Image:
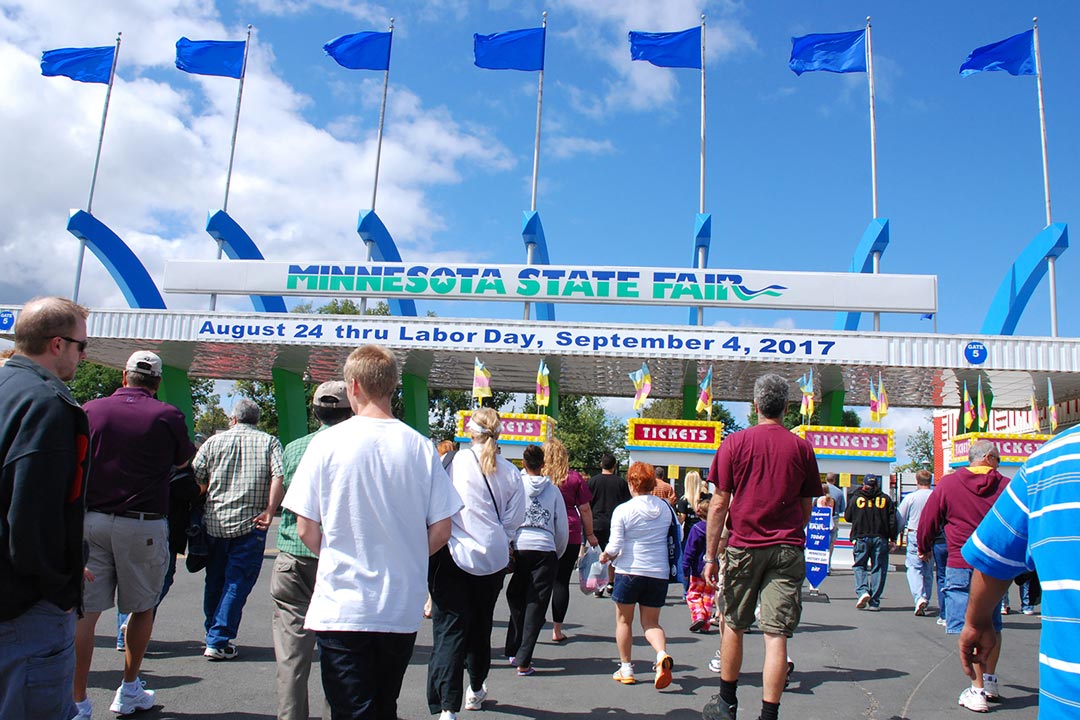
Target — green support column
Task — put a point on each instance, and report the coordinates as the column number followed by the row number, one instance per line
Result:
column 290, row 397
column 175, row 389
column 831, row 410
column 552, row 409
column 689, row 401
column 414, row 392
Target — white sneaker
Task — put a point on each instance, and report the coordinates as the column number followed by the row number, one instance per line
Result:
column 475, row 699
column 82, row 714
column 226, row 653
column 626, row 678
column 920, row 607
column 990, row 688
column 863, row 600
column 941, row 621
column 714, row 664
column 125, row 704
column 974, row 700
column 447, row 715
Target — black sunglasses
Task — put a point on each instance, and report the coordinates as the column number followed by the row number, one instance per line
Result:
column 81, row 344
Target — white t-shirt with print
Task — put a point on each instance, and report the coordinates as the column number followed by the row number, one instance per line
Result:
column 375, row 486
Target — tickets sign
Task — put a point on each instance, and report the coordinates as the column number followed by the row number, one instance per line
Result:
column 1012, row 449
column 686, row 435
column 517, row 428
column 849, row 442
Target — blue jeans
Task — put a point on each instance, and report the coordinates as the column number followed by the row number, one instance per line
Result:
column 875, row 551
column 957, row 589
column 941, row 559
column 232, row 567
column 37, row 664
column 920, row 573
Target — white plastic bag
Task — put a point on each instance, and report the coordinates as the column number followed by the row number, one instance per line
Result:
column 592, row 574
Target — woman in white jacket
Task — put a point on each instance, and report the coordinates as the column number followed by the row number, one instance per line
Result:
column 638, row 547
column 539, row 542
column 466, row 577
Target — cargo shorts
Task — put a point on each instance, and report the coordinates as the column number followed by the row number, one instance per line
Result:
column 772, row 576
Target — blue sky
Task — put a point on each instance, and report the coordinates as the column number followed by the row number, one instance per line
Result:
column 788, row 162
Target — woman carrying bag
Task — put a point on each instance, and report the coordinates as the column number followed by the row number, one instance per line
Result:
column 466, row 577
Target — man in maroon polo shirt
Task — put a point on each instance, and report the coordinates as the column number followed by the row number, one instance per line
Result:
column 135, row 440
column 766, row 480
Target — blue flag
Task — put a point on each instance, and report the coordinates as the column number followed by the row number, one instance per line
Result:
column 224, row 58
column 510, row 50
column 1014, row 55
column 361, row 51
column 92, row 65
column 831, row 52
column 668, row 49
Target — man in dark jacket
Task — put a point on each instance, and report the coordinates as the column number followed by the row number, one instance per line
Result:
column 43, row 452
column 958, row 504
column 872, row 515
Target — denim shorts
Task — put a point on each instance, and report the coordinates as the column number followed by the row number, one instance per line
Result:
column 639, row 590
column 957, row 588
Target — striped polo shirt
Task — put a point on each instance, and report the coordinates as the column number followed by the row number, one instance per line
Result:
column 1035, row 524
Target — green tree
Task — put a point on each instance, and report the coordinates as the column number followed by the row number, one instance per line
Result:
column 668, row 408
column 587, row 430
column 920, row 451
column 93, row 381
column 211, row 420
column 443, row 407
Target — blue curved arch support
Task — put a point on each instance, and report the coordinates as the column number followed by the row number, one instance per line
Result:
column 702, row 239
column 126, row 269
column 371, row 229
column 1023, row 277
column 874, row 240
column 532, row 233
column 239, row 246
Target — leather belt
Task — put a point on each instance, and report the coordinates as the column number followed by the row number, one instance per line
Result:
column 139, row 515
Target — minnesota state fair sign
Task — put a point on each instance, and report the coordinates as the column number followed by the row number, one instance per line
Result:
column 685, row 435
column 517, row 428
column 1012, row 449
column 828, row 440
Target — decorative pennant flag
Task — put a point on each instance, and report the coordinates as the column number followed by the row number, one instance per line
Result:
column 481, row 381
column 642, row 385
column 875, row 412
column 984, row 416
column 831, row 52
column 543, row 386
column 89, row 65
column 883, row 398
column 361, row 51
column 510, row 50
column 968, row 412
column 1050, row 406
column 806, row 385
column 1015, row 55
column 668, row 49
column 223, row 58
column 1034, row 411
column 704, row 398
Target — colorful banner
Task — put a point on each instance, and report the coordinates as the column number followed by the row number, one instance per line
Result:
column 818, row 535
column 849, row 441
column 1014, row 449
column 517, row 428
column 692, row 435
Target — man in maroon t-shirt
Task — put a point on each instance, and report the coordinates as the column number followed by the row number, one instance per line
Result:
column 766, row 480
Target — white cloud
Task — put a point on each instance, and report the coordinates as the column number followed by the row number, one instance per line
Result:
column 568, row 147
column 296, row 186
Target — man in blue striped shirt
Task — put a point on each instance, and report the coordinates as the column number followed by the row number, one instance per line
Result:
column 1033, row 525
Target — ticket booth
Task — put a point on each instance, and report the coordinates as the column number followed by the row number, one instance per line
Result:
column 519, row 430
column 686, row 443
column 1013, row 449
column 852, row 453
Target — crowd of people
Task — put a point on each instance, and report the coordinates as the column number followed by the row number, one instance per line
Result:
column 97, row 502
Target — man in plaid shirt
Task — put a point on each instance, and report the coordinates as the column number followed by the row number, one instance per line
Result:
column 241, row 470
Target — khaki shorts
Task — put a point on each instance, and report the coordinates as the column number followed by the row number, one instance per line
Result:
column 128, row 558
column 772, row 575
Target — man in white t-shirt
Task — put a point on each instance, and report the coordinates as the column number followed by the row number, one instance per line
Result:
column 373, row 502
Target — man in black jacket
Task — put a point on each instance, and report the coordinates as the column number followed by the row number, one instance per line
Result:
column 872, row 515
column 43, row 452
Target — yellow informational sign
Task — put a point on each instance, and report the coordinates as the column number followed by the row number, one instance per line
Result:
column 845, row 480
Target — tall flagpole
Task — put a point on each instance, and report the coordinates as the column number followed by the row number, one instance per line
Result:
column 701, row 190
column 536, row 151
column 232, row 149
column 1050, row 262
column 97, row 162
column 873, row 150
column 378, row 154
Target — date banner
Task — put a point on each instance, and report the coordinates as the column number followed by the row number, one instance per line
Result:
column 777, row 290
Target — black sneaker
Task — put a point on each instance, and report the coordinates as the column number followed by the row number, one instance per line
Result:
column 717, row 709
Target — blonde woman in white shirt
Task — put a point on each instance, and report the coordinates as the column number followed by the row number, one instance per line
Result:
column 466, row 577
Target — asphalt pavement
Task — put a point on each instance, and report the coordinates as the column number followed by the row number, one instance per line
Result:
column 889, row 665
